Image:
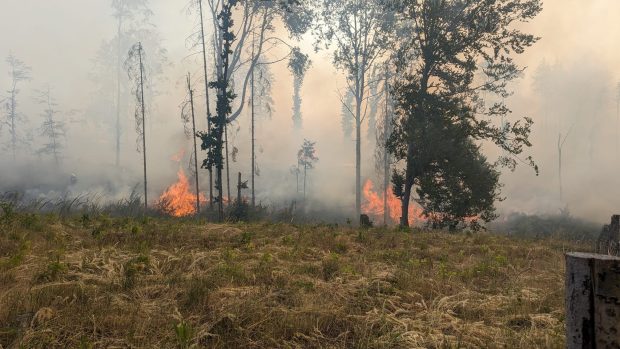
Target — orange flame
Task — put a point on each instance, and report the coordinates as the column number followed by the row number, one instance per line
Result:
column 178, row 200
column 373, row 205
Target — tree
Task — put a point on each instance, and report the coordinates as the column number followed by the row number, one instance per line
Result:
column 360, row 32
column 188, row 115
column 298, row 65
column 440, row 114
column 383, row 158
column 18, row 72
column 255, row 21
column 212, row 140
column 136, row 72
column 306, row 158
column 132, row 24
column 52, row 129
column 199, row 41
column 124, row 11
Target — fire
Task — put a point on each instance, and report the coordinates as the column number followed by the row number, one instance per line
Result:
column 373, row 205
column 178, row 200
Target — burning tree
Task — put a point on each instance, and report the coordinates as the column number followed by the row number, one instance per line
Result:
column 52, row 129
column 136, row 72
column 306, row 158
column 19, row 72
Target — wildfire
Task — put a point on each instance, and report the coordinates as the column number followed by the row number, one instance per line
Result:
column 373, row 205
column 178, row 200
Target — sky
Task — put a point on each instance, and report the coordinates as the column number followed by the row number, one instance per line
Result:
column 568, row 88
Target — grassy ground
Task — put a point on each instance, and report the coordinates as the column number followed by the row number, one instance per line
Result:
column 98, row 282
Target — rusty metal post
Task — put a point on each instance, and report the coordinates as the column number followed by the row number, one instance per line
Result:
column 592, row 301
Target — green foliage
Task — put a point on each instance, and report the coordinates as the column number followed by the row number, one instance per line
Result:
column 184, row 334
column 441, row 111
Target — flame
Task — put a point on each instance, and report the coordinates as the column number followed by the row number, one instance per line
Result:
column 373, row 205
column 178, row 200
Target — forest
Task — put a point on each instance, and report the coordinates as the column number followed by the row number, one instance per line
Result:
column 223, row 169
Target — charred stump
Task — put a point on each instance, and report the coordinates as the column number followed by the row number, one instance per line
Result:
column 609, row 240
column 592, row 301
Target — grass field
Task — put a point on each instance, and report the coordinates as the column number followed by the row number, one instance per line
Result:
column 100, row 282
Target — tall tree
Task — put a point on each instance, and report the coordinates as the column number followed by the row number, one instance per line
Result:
column 383, row 158
column 440, row 116
column 14, row 119
column 253, row 26
column 52, row 129
column 199, row 42
column 306, row 158
column 359, row 31
column 189, row 122
column 298, row 65
column 125, row 13
column 136, row 72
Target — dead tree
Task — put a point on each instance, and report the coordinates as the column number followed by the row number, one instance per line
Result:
column 561, row 142
column 52, row 129
column 187, row 114
column 135, row 69
column 19, row 72
column 125, row 11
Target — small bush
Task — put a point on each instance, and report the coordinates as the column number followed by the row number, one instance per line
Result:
column 330, row 266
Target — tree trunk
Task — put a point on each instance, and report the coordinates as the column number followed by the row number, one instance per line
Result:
column 253, row 133
column 227, row 163
column 13, row 117
column 386, row 154
column 409, row 180
column 191, row 101
column 305, row 173
column 143, row 127
column 204, row 65
column 358, row 158
column 118, row 90
column 239, row 190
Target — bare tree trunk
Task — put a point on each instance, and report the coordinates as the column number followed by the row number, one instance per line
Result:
column 118, row 90
column 358, row 159
column 560, row 165
column 191, row 101
column 305, row 173
column 253, row 135
column 239, row 189
column 386, row 155
column 204, row 64
column 409, row 180
column 227, row 162
column 13, row 117
column 143, row 126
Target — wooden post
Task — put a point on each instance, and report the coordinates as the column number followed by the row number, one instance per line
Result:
column 239, row 187
column 592, row 301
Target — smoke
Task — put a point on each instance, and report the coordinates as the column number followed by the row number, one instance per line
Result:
column 569, row 82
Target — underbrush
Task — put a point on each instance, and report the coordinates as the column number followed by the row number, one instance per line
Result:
column 96, row 281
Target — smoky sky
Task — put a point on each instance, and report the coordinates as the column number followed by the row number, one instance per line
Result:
column 568, row 88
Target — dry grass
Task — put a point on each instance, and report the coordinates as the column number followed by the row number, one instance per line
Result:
column 159, row 283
